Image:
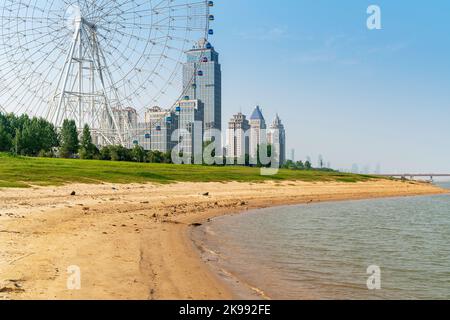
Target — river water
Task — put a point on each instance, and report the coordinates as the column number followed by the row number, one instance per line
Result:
column 323, row 251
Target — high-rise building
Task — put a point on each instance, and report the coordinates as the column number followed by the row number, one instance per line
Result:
column 258, row 134
column 160, row 124
column 237, row 137
column 189, row 119
column 276, row 137
column 202, row 80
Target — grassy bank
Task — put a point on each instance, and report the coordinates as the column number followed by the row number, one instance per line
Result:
column 24, row 172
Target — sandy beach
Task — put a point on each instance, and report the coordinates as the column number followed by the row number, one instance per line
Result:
column 133, row 241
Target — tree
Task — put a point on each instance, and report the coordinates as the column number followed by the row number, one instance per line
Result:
column 154, row 156
column 308, row 165
column 119, row 153
column 34, row 137
column 6, row 140
column 299, row 165
column 167, row 157
column 17, row 141
column 105, row 153
column 138, row 154
column 69, row 139
column 87, row 149
column 289, row 165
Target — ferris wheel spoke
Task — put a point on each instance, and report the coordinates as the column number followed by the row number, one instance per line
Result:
column 129, row 53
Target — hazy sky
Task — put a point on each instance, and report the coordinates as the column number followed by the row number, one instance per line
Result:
column 343, row 91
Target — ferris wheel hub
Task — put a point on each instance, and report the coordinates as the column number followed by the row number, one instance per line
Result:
column 75, row 19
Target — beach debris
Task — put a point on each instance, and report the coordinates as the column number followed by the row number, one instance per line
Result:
column 170, row 221
column 73, row 193
column 8, row 231
column 11, row 286
column 242, row 203
column 205, row 194
column 196, row 224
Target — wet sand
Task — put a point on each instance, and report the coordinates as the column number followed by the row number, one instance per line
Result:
column 134, row 241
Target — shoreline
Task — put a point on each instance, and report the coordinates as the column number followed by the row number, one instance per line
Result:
column 240, row 289
column 135, row 241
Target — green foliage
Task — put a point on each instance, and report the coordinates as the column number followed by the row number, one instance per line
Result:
column 299, row 165
column 308, row 165
column 88, row 150
column 138, row 154
column 155, row 157
column 25, row 136
column 5, row 138
column 159, row 157
column 120, row 153
column 69, row 139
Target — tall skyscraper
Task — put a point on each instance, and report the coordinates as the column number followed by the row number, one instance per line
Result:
column 237, row 137
column 202, row 80
column 276, row 136
column 258, row 134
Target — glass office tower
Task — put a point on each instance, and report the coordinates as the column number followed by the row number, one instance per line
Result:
column 202, row 80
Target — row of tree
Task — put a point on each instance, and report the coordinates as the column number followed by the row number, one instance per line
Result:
column 28, row 136
column 298, row 165
column 37, row 137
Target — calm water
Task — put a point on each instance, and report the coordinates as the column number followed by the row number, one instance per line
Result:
column 322, row 251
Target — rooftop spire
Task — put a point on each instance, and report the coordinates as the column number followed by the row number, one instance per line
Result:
column 257, row 114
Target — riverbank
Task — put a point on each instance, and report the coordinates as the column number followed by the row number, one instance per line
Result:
column 133, row 241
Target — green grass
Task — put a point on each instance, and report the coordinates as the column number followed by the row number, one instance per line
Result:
column 23, row 172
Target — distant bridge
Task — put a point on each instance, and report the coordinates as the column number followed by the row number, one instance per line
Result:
column 412, row 176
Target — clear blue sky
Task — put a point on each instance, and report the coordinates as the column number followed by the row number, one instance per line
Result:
column 350, row 94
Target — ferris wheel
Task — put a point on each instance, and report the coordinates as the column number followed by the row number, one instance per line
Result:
column 89, row 60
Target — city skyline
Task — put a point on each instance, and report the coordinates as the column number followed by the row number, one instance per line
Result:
column 352, row 94
column 246, row 135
